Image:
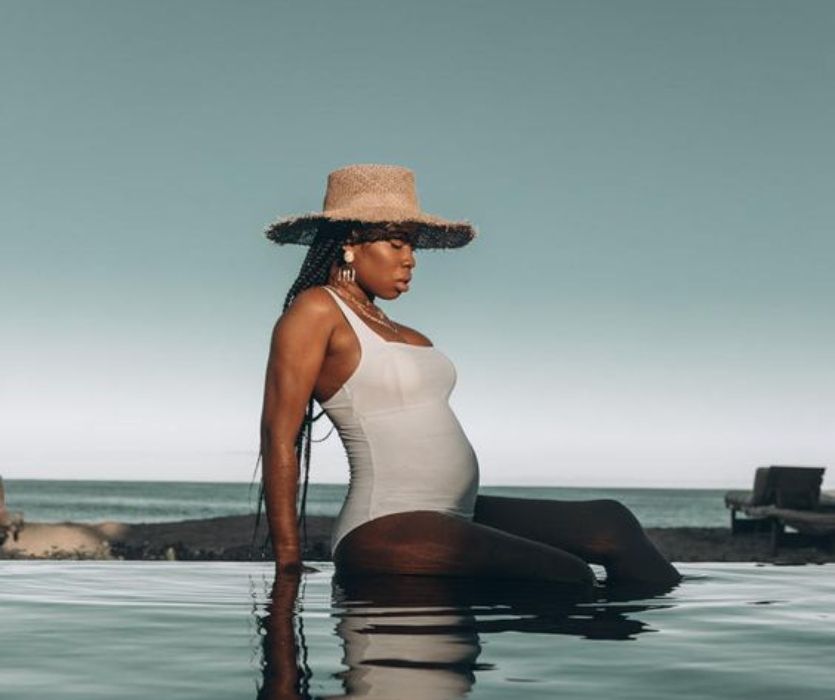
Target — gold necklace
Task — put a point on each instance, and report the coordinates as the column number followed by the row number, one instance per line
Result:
column 364, row 306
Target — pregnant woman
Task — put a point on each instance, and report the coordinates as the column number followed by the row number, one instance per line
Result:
column 413, row 505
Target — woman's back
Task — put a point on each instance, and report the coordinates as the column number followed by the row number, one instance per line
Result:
column 406, row 449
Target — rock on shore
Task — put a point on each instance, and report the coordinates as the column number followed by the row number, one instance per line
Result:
column 230, row 539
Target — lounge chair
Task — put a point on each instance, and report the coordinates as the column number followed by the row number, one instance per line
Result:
column 785, row 496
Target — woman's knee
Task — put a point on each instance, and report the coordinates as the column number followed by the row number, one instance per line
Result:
column 615, row 513
column 615, row 531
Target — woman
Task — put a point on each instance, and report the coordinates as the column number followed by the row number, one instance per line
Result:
column 412, row 505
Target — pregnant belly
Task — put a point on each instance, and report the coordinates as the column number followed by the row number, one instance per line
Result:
column 422, row 456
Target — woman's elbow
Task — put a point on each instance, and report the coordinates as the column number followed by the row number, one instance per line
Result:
column 270, row 441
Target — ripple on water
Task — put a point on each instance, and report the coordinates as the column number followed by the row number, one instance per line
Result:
column 207, row 629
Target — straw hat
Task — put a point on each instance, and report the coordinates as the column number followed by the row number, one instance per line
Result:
column 363, row 194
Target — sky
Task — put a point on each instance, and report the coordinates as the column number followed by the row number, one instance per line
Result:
column 648, row 301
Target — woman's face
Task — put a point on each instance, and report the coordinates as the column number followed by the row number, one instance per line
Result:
column 384, row 267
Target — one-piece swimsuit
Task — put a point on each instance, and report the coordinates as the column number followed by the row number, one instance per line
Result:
column 405, row 447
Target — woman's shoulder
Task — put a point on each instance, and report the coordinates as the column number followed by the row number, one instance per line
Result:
column 315, row 300
column 316, row 297
column 313, row 304
column 311, row 313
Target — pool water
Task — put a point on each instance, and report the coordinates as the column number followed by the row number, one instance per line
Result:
column 211, row 630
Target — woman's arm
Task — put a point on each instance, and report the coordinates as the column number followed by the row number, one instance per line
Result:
column 297, row 351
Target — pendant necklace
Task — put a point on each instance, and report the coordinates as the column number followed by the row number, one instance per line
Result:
column 377, row 315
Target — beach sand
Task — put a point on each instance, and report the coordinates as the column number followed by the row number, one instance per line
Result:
column 229, row 539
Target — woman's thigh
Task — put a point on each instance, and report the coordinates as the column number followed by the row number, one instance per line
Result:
column 594, row 530
column 436, row 544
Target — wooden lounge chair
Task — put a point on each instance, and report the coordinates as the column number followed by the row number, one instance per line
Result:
column 785, row 496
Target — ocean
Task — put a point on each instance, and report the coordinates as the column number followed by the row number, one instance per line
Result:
column 158, row 501
column 186, row 630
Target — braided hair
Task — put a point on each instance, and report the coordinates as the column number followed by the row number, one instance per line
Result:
column 315, row 271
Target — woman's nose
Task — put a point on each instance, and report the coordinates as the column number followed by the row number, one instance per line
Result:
column 410, row 258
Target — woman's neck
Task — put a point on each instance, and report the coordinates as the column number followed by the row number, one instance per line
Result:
column 354, row 290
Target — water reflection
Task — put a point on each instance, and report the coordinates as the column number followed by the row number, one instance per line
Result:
column 418, row 637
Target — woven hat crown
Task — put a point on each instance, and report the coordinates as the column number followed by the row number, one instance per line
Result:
column 370, row 193
column 371, row 187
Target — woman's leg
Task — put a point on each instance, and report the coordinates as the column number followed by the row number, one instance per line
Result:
column 436, row 544
column 601, row 531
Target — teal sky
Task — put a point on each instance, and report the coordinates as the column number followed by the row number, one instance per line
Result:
column 649, row 300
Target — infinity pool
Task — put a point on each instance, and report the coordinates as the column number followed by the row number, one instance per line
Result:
column 208, row 630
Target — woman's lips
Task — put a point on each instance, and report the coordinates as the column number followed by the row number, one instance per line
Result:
column 403, row 285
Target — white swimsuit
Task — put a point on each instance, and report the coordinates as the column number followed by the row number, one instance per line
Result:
column 405, row 447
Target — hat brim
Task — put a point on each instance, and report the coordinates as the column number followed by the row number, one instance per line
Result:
column 431, row 231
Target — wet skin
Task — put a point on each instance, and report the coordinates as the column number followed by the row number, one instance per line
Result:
column 314, row 351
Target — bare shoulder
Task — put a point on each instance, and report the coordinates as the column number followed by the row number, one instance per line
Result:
column 310, row 308
column 313, row 300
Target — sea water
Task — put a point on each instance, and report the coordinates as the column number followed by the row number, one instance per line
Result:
column 206, row 630
column 157, row 501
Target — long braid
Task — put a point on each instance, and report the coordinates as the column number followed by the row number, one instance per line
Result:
column 314, row 271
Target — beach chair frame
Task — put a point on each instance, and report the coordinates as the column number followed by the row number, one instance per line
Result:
column 785, row 496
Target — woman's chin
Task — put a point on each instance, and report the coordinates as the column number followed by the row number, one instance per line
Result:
column 394, row 291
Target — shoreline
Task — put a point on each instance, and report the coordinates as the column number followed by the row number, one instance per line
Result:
column 228, row 538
